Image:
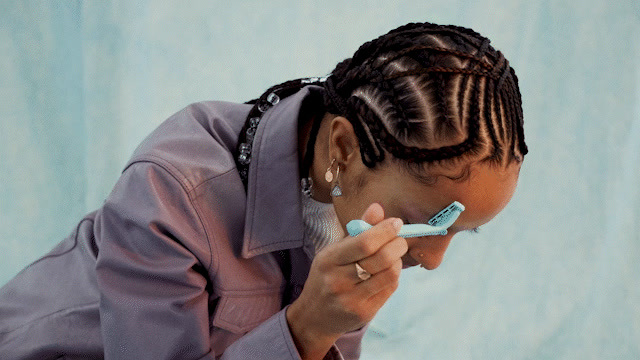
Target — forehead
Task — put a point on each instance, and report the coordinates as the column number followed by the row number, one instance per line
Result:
column 484, row 194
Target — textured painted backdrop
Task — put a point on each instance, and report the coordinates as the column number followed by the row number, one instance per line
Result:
column 555, row 276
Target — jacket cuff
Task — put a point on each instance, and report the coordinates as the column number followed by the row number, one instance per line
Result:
column 271, row 340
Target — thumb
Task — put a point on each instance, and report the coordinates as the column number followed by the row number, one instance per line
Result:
column 374, row 214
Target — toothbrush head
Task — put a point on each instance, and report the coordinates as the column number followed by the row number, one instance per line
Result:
column 448, row 216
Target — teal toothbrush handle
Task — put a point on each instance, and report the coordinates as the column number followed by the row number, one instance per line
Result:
column 438, row 225
column 355, row 227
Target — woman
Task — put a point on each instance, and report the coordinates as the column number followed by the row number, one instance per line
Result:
column 224, row 236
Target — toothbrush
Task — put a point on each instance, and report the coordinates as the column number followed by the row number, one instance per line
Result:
column 438, row 224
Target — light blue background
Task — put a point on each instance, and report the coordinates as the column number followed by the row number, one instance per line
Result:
column 555, row 276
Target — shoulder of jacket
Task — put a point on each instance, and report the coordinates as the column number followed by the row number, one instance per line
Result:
column 195, row 144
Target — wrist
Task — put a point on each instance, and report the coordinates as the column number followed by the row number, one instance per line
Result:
column 310, row 343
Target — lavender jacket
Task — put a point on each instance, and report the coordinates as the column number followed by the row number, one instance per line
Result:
column 180, row 262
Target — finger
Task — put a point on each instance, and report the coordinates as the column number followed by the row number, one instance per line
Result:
column 384, row 282
column 374, row 214
column 352, row 249
column 386, row 256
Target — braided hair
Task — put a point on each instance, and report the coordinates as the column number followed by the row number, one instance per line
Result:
column 428, row 94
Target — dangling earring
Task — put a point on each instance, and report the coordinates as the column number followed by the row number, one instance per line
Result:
column 336, row 190
column 329, row 175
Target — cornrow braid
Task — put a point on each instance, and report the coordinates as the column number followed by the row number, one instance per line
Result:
column 423, row 93
column 460, row 54
column 428, row 93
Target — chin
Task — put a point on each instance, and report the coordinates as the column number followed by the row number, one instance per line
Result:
column 429, row 266
column 429, row 261
column 408, row 261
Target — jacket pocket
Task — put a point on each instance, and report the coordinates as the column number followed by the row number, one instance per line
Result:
column 239, row 314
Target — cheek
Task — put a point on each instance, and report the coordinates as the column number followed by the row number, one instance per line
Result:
column 359, row 193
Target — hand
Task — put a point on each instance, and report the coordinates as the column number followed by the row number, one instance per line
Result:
column 334, row 299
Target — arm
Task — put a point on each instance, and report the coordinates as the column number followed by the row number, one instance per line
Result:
column 151, row 270
column 334, row 300
column 273, row 340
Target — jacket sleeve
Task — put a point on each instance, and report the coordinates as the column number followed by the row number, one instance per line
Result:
column 272, row 340
column 152, row 269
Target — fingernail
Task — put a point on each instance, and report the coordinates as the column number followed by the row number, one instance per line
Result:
column 397, row 224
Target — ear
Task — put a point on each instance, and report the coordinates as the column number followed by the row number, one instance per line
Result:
column 343, row 142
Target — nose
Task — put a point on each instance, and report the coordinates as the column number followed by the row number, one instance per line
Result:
column 429, row 251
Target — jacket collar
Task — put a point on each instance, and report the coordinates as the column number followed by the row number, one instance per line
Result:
column 273, row 218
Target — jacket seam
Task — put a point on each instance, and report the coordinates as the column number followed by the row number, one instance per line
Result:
column 283, row 323
column 259, row 248
column 197, row 209
column 168, row 167
column 75, row 243
column 249, row 292
column 214, row 177
column 188, row 187
column 69, row 309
